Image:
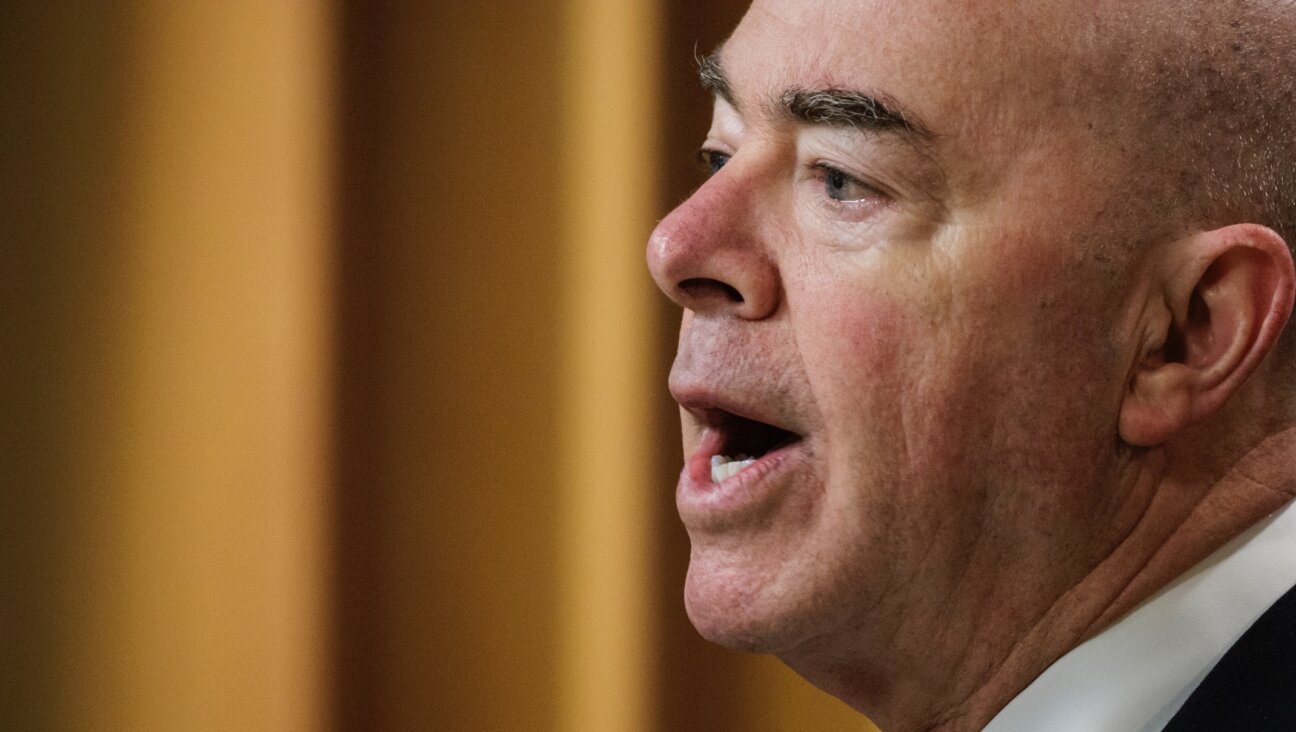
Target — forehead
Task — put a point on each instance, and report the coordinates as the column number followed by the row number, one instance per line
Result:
column 1009, row 88
column 952, row 63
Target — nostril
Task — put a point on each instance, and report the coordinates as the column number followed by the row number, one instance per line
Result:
column 701, row 288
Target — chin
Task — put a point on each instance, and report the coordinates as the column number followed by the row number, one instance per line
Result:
column 739, row 611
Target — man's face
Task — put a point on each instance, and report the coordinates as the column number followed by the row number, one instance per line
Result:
column 919, row 331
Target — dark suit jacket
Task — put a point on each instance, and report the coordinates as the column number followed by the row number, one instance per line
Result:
column 1253, row 687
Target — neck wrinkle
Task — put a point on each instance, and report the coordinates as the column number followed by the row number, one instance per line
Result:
column 1258, row 484
column 1092, row 602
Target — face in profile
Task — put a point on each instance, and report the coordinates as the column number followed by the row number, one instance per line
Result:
column 905, row 301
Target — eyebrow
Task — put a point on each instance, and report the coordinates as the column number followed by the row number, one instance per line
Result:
column 831, row 106
column 848, row 108
column 713, row 78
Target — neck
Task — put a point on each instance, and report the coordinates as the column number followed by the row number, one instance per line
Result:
column 1192, row 515
column 1258, row 484
column 1194, row 510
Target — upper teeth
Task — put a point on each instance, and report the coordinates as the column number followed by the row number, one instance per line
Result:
column 722, row 466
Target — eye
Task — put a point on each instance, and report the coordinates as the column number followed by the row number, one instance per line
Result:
column 712, row 160
column 841, row 186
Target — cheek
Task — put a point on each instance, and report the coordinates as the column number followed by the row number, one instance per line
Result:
column 855, row 336
column 873, row 359
column 915, row 394
column 875, row 372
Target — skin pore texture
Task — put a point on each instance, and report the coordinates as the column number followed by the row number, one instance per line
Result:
column 1009, row 279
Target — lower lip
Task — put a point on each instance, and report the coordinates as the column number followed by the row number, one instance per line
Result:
column 703, row 503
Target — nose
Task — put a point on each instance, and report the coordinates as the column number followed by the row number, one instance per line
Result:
column 711, row 255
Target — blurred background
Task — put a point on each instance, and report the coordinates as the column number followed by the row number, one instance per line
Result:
column 332, row 382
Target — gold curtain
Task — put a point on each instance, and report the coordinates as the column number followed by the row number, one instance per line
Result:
column 334, row 386
column 165, row 226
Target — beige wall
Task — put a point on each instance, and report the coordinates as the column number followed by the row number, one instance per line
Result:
column 335, row 389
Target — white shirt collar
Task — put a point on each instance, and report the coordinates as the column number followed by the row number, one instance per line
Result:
column 1137, row 673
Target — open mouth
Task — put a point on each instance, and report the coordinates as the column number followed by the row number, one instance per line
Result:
column 741, row 442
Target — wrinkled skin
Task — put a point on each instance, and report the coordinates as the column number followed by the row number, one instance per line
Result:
column 950, row 330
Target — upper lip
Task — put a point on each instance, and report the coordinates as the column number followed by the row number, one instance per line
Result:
column 712, row 406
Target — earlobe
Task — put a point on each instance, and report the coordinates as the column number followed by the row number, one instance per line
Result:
column 1225, row 296
column 1157, row 405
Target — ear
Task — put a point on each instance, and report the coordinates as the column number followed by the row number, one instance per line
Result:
column 1222, row 300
